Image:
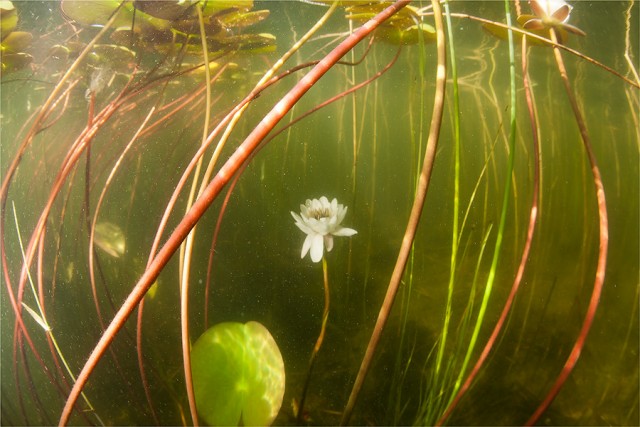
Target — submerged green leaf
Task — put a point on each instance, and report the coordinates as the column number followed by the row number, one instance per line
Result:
column 110, row 238
column 43, row 324
column 238, row 375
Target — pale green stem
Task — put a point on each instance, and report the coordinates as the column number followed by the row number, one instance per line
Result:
column 316, row 348
column 456, row 193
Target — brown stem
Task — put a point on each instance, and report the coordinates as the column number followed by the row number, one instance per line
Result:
column 316, row 347
column 603, row 224
column 414, row 218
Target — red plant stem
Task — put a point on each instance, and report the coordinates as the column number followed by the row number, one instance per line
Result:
column 212, row 191
column 525, row 252
column 603, row 224
column 214, row 240
column 52, row 349
column 414, row 218
column 40, row 229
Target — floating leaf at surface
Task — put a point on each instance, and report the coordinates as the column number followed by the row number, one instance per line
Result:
column 238, row 375
column 407, row 36
column 244, row 19
column 503, row 33
column 8, row 17
column 95, row 12
column 16, row 42
column 405, row 17
column 168, row 9
column 98, row 12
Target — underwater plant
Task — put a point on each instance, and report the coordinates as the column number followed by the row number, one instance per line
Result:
column 238, row 375
column 488, row 152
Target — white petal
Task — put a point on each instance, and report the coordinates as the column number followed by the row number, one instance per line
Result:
column 328, row 242
column 334, row 205
column 312, row 223
column 306, row 245
column 342, row 211
column 330, row 225
column 343, row 231
column 317, row 247
column 305, row 228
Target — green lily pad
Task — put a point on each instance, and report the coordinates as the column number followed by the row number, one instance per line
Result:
column 241, row 19
column 98, row 12
column 8, row 17
column 16, row 42
column 407, row 36
column 238, row 375
column 503, row 33
column 406, row 17
column 15, row 61
column 168, row 9
column 95, row 12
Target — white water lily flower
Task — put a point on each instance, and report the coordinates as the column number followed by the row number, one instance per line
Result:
column 550, row 14
column 558, row 10
column 320, row 220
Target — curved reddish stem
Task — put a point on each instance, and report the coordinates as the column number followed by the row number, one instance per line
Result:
column 603, row 225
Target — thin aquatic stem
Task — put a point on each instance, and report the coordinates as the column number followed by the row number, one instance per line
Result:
column 186, row 249
column 533, row 214
column 40, row 316
column 414, row 218
column 505, row 203
column 456, row 197
column 627, row 43
column 316, row 348
column 603, row 226
column 94, row 221
column 39, row 233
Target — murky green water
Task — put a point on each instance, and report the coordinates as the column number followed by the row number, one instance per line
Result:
column 366, row 149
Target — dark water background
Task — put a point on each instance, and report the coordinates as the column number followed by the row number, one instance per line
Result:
column 369, row 159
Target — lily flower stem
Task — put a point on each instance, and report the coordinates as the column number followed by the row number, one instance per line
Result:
column 316, row 348
column 603, row 226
